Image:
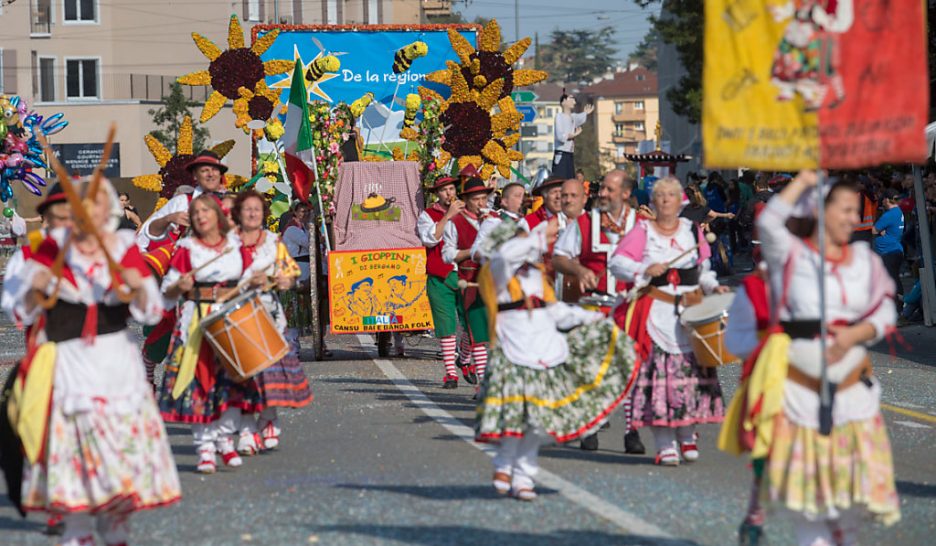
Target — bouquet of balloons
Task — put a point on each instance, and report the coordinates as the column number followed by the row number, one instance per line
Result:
column 20, row 150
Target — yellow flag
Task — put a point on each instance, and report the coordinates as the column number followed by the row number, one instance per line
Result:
column 189, row 358
column 31, row 401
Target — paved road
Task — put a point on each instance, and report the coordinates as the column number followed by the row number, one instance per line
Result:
column 381, row 457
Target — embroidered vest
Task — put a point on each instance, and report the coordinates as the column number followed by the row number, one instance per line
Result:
column 534, row 218
column 597, row 262
column 434, row 264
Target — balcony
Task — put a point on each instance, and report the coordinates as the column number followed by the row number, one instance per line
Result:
column 629, row 115
column 629, row 135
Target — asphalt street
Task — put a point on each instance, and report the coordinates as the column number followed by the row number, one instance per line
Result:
column 383, row 456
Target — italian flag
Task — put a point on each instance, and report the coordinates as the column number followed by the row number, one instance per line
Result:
column 297, row 138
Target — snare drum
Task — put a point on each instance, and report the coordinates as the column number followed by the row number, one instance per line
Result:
column 244, row 336
column 705, row 324
column 598, row 302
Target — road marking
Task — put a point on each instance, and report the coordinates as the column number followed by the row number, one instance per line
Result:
column 909, row 413
column 627, row 521
column 911, row 424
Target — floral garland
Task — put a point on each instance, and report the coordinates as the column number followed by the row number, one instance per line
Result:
column 429, row 137
column 330, row 129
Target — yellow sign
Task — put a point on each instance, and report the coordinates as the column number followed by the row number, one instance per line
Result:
column 378, row 291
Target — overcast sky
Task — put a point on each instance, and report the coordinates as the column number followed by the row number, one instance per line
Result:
column 544, row 16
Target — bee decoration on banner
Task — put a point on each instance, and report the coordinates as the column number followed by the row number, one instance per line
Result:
column 361, row 104
column 405, row 56
column 411, row 108
column 326, row 63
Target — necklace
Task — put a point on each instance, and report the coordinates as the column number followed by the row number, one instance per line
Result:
column 212, row 246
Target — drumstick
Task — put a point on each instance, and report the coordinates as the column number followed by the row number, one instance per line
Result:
column 202, row 266
column 463, row 284
column 632, row 293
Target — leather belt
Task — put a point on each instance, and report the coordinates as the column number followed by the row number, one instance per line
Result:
column 535, row 303
column 688, row 299
column 208, row 292
column 861, row 373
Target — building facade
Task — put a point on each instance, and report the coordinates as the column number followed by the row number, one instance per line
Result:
column 627, row 107
column 99, row 62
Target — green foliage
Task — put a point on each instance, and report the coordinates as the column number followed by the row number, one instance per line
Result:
column 645, row 54
column 168, row 119
column 577, row 55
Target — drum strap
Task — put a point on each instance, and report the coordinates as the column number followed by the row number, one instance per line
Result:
column 688, row 299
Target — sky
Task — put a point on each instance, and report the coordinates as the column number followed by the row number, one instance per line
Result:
column 544, row 16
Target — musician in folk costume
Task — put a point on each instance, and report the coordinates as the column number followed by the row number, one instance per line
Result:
column 97, row 447
column 511, row 202
column 551, row 192
column 284, row 384
column 542, row 385
column 583, row 251
column 827, row 483
column 669, row 257
column 157, row 237
column 207, row 264
column 442, row 280
column 459, row 236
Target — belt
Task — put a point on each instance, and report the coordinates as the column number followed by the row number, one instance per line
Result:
column 535, row 303
column 687, row 299
column 304, row 259
column 861, row 373
column 208, row 292
column 688, row 276
column 66, row 320
column 801, row 329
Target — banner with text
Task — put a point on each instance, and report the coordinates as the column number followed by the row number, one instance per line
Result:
column 793, row 84
column 378, row 291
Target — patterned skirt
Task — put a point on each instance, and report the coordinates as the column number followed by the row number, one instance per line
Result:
column 282, row 385
column 102, row 461
column 819, row 476
column 566, row 401
column 674, row 391
column 195, row 404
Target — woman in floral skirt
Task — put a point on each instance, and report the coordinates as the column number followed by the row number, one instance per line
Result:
column 673, row 393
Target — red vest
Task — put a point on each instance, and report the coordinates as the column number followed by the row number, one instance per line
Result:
column 434, row 264
column 534, row 218
column 597, row 262
column 467, row 233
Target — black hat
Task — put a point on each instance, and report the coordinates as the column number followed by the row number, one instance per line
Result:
column 474, row 185
column 206, row 157
column 547, row 184
column 55, row 195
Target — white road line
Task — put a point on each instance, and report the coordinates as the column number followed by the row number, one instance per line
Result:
column 627, row 521
column 911, row 424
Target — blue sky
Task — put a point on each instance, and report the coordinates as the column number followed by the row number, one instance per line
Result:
column 544, row 16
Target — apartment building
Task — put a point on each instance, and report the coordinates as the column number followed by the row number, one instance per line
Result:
column 101, row 61
column 627, row 107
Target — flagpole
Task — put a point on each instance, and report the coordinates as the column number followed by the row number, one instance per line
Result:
column 825, row 387
column 318, row 194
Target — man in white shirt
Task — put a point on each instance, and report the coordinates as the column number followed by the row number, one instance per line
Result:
column 568, row 126
column 512, row 196
column 208, row 173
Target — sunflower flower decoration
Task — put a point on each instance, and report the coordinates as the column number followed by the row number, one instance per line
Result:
column 172, row 172
column 488, row 63
column 258, row 104
column 237, row 68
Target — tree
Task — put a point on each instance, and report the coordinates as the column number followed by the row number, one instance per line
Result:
column 577, row 55
column 645, row 54
column 168, row 119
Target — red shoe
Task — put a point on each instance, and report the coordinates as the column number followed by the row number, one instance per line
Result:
column 450, row 382
column 690, row 451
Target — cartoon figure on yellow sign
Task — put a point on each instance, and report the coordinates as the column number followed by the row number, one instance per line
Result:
column 806, row 61
column 362, row 301
column 398, row 299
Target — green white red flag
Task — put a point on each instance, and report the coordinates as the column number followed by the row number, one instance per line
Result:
column 297, row 138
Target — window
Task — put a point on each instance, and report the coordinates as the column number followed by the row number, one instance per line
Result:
column 331, row 12
column 618, row 129
column 40, row 17
column 80, row 11
column 81, row 79
column 638, row 105
column 620, row 150
column 639, row 126
column 253, row 10
column 373, row 12
column 641, row 77
column 618, row 108
column 47, row 79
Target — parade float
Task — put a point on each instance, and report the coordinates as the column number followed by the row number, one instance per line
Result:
column 356, row 120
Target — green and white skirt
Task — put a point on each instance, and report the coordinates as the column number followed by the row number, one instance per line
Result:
column 567, row 401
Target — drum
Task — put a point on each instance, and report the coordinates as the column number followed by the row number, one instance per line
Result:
column 598, row 302
column 705, row 324
column 244, row 336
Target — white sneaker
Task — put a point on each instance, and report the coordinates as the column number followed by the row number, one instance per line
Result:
column 270, row 434
column 246, row 444
column 667, row 457
column 206, row 461
column 229, row 454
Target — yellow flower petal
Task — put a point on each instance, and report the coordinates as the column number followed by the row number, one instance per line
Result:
column 489, row 39
column 511, row 140
column 514, row 52
column 490, row 95
column 235, row 34
column 397, row 154
column 514, row 155
column 245, row 93
column 264, row 42
column 202, row 77
column 206, row 46
column 272, row 68
column 428, row 94
column 408, row 133
column 241, row 117
column 507, row 104
column 160, row 203
column 213, row 105
column 466, row 160
column 148, row 182
column 160, row 153
column 461, row 45
column 443, row 159
column 222, row 148
column 504, row 170
column 525, row 77
column 506, row 121
column 487, row 172
column 185, row 142
column 440, row 76
column 460, row 90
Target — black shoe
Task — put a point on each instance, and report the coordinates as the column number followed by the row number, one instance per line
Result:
column 751, row 535
column 589, row 443
column 632, row 443
column 468, row 373
column 450, row 382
